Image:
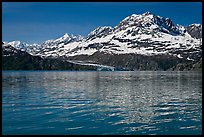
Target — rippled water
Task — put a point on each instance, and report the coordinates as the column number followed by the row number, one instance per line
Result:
column 65, row 102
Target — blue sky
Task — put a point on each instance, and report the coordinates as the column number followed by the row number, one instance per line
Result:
column 35, row 22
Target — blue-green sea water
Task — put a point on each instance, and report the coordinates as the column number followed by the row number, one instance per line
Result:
column 92, row 102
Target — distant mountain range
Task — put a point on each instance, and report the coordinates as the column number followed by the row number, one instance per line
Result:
column 139, row 42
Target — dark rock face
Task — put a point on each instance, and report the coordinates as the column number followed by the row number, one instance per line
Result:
column 195, row 30
column 132, row 61
column 188, row 66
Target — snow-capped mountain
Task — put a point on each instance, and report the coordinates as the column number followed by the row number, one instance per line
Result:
column 9, row 49
column 49, row 48
column 23, row 46
column 65, row 39
column 59, row 46
column 151, row 22
column 100, row 32
column 145, row 34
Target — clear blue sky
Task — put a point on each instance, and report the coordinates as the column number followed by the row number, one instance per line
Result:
column 35, row 22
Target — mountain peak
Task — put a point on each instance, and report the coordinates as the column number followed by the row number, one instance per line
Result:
column 100, row 31
column 65, row 35
column 14, row 43
column 147, row 13
column 196, row 25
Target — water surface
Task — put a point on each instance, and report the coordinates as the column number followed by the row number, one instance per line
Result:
column 66, row 102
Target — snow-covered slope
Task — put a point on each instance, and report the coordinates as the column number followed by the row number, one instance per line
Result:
column 146, row 34
column 59, row 47
column 23, row 46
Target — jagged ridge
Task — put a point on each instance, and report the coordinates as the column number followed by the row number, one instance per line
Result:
column 145, row 34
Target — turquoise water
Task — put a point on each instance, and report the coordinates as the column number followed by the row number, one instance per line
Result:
column 71, row 102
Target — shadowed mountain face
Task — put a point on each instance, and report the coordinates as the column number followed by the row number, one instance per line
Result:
column 139, row 42
column 195, row 30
